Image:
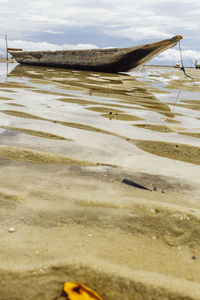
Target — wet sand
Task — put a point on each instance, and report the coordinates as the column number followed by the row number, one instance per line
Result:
column 99, row 183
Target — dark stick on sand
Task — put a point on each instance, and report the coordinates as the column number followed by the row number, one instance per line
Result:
column 134, row 184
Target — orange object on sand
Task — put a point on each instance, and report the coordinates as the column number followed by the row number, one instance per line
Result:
column 77, row 291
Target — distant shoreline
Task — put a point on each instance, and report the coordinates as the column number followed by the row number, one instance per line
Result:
column 167, row 66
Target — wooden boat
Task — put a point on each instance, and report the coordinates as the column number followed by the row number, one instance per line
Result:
column 112, row 60
column 177, row 65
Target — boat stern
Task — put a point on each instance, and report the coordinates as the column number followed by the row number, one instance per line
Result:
column 14, row 51
column 11, row 50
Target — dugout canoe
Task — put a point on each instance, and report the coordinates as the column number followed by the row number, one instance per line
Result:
column 112, row 60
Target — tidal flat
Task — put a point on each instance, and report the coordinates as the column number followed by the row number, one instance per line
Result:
column 99, row 182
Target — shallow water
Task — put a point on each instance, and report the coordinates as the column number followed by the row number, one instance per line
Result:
column 64, row 110
column 68, row 139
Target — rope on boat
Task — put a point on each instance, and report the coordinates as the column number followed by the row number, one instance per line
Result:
column 182, row 66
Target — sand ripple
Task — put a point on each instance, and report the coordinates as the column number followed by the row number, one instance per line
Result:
column 39, row 157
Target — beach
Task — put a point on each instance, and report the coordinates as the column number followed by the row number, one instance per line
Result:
column 99, row 183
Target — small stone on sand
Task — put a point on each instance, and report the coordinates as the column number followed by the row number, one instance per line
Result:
column 11, row 229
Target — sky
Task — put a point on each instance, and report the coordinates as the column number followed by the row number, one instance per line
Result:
column 79, row 24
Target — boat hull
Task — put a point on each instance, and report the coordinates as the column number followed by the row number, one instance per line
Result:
column 112, row 60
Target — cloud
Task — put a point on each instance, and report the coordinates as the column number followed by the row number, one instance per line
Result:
column 38, row 46
column 140, row 33
column 174, row 55
column 114, row 17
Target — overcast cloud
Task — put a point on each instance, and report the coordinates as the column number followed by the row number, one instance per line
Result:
column 71, row 24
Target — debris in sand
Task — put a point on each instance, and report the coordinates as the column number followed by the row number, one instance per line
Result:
column 194, row 257
column 11, row 229
column 132, row 183
column 76, row 291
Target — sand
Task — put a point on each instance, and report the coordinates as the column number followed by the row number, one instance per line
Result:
column 129, row 246
column 67, row 214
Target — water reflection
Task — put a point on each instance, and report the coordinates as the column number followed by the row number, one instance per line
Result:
column 5, row 69
column 123, row 90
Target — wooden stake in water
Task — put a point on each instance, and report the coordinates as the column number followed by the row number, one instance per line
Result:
column 6, row 47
